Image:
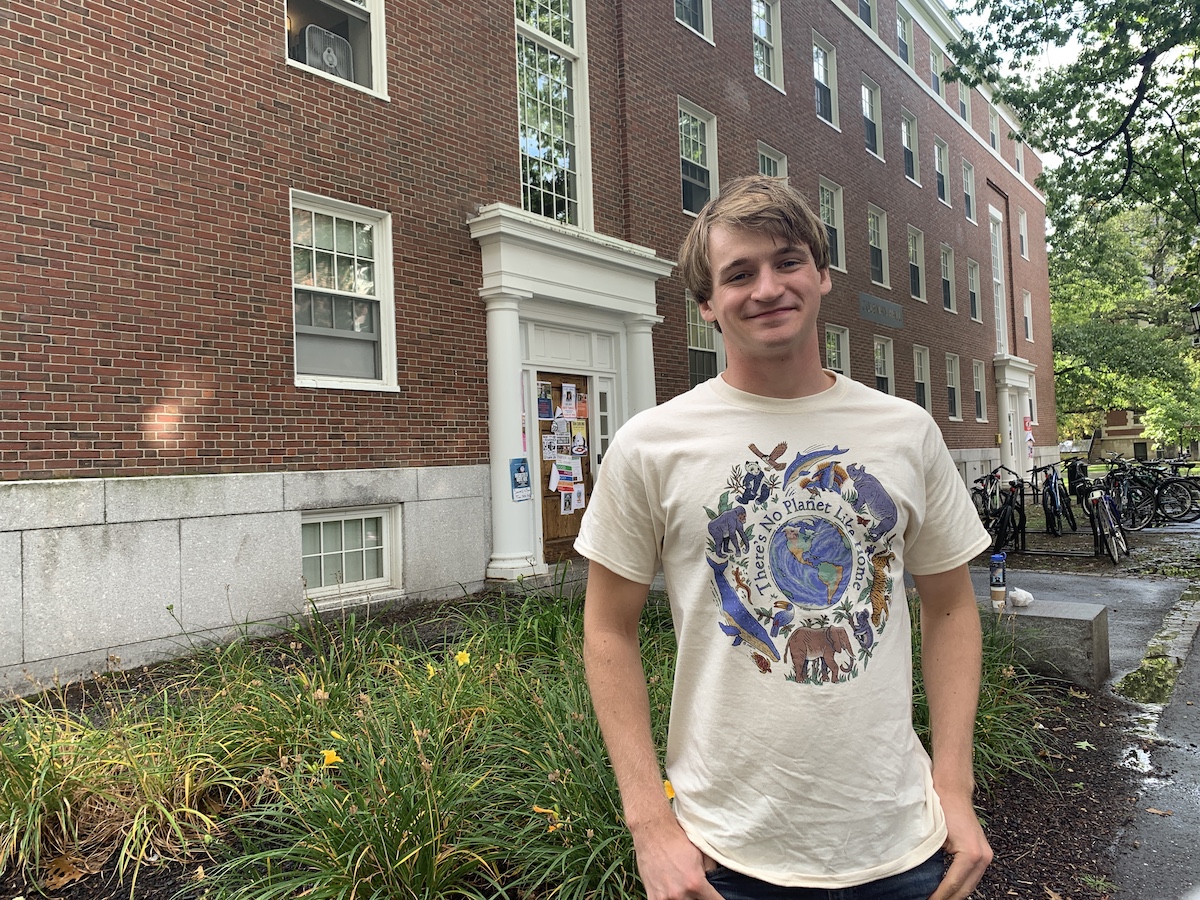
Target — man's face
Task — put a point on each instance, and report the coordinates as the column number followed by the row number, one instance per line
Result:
column 766, row 293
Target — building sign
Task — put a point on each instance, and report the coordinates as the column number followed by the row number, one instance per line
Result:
column 880, row 311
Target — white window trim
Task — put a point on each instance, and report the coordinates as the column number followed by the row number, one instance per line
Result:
column 873, row 25
column 1027, row 314
column 963, row 102
column 905, row 17
column 1023, row 233
column 915, row 149
column 831, row 73
column 714, row 179
column 776, row 79
column 392, row 556
column 1033, row 415
column 876, row 116
column 889, row 362
column 953, row 367
column 979, row 386
column 771, row 153
column 707, row 328
column 977, row 315
column 1019, row 157
column 953, row 307
column 937, row 66
column 706, row 34
column 844, row 340
column 993, row 128
column 384, row 294
column 921, row 354
column 839, row 219
column 939, row 144
column 969, row 190
column 883, row 241
column 374, row 9
column 922, row 269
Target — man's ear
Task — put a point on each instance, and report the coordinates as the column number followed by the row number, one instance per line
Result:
column 707, row 314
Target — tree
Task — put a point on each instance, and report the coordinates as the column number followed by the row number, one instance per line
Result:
column 1119, row 337
column 1124, row 116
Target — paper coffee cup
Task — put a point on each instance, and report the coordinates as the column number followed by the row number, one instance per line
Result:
column 999, row 596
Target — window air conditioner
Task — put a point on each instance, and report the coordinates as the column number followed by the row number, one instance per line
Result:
column 328, row 52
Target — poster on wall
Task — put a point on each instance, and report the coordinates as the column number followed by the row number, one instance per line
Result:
column 566, row 503
column 549, row 447
column 522, row 488
column 545, row 401
column 565, row 467
column 568, row 401
column 580, row 405
column 580, row 500
column 579, row 443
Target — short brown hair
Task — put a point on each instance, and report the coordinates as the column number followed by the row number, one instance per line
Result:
column 751, row 202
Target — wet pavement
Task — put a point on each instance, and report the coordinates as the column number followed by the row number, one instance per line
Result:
column 1158, row 853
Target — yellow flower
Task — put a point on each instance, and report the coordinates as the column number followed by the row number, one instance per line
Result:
column 336, row 736
column 668, row 790
column 462, row 657
column 330, row 758
column 430, row 669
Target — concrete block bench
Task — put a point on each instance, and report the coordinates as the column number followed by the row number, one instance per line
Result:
column 1062, row 639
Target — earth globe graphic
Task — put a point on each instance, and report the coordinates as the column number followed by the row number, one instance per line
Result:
column 812, row 561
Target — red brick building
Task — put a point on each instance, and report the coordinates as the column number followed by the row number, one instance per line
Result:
column 284, row 283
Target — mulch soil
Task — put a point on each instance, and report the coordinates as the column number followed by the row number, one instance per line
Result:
column 1054, row 834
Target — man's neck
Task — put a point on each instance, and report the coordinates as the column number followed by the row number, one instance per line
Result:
column 784, row 380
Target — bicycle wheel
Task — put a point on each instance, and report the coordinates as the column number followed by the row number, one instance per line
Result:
column 1175, row 500
column 1105, row 528
column 979, row 499
column 1118, row 527
column 1064, row 503
column 1050, row 507
column 1003, row 530
column 1139, row 508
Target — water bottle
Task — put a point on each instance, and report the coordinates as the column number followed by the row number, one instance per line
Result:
column 997, row 580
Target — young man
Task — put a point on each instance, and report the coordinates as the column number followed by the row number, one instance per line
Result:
column 784, row 504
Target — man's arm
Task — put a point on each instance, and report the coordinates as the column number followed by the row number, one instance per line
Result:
column 671, row 866
column 951, row 655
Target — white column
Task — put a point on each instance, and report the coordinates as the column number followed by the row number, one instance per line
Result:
column 1004, row 413
column 512, row 522
column 640, row 370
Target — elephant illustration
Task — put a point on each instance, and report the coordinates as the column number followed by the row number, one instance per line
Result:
column 820, row 647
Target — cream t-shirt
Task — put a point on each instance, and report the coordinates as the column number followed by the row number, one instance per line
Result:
column 783, row 529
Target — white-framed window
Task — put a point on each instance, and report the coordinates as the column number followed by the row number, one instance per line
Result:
column 936, row 66
column 973, row 289
column 825, row 79
column 349, row 550
column 1033, row 416
column 1019, row 157
column 949, row 303
column 764, row 15
column 921, row 393
column 552, row 110
column 837, row 349
column 996, row 239
column 964, row 102
column 706, row 351
column 993, row 128
column 872, row 135
column 771, row 162
column 866, row 12
column 877, row 243
column 904, row 35
column 908, row 139
column 941, row 154
column 885, row 375
column 979, row 378
column 696, row 15
column 697, row 155
column 952, row 396
column 343, row 306
column 969, row 190
column 916, row 263
column 1023, row 233
column 829, row 196
column 339, row 40
column 1027, row 313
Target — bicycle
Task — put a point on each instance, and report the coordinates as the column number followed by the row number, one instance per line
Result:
column 1056, row 502
column 1107, row 533
column 1008, row 525
column 1146, row 494
column 987, row 495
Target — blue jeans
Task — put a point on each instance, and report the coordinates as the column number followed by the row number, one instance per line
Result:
column 915, row 884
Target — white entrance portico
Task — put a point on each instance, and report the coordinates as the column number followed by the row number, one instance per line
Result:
column 1013, row 380
column 557, row 297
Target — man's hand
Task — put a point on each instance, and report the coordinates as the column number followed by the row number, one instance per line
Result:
column 967, row 848
column 671, row 866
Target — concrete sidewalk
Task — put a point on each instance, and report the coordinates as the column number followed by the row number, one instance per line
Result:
column 1157, row 856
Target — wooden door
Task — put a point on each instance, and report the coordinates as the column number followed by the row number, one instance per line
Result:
column 560, row 519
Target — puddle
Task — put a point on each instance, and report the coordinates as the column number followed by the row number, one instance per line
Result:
column 1154, row 679
column 1150, row 682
